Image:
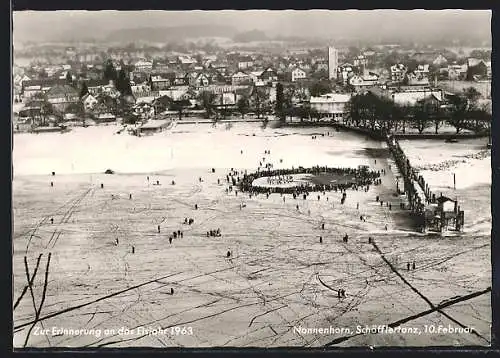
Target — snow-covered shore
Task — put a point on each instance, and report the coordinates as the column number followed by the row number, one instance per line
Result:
column 95, row 149
column 469, row 160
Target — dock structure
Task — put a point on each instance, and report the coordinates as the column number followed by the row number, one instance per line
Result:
column 432, row 213
column 154, row 126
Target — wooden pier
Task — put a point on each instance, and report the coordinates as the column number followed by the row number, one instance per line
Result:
column 433, row 213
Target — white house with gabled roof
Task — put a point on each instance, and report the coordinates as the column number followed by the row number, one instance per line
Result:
column 298, row 74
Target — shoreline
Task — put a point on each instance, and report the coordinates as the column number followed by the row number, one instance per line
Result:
column 444, row 135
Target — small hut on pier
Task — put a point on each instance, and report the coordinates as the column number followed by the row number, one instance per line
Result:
column 444, row 215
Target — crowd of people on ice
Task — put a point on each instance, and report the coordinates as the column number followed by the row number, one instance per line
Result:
column 280, row 179
column 362, row 178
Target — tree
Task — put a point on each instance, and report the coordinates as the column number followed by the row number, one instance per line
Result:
column 353, row 51
column 46, row 110
column 388, row 113
column 107, row 103
column 421, row 116
column 369, row 109
column 123, row 83
column 321, row 74
column 319, row 88
column 280, row 101
column 391, row 59
column 130, row 118
column 354, row 110
column 207, row 100
column 259, row 101
column 433, row 71
column 481, row 54
column 395, row 112
column 481, row 118
column 458, row 118
column 411, row 65
column 74, row 108
column 405, row 113
column 243, row 105
column 84, row 90
column 180, row 105
column 69, row 78
column 438, row 120
column 42, row 74
column 478, row 70
column 109, row 72
column 472, row 95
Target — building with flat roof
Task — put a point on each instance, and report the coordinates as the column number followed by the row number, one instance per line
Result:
column 333, row 105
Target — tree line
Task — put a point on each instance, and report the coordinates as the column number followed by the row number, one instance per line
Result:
column 461, row 111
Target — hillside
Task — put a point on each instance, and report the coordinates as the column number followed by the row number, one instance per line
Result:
column 159, row 34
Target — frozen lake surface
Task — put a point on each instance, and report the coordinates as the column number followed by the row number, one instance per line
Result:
column 279, row 277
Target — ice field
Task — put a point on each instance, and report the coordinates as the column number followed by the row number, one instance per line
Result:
column 279, row 277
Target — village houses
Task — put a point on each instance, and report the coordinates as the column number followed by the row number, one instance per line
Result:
column 297, row 74
column 143, row 66
column 245, row 62
column 61, row 96
column 398, row 72
column 240, row 78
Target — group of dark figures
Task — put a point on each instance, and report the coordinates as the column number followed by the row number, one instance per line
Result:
column 322, row 134
column 285, row 179
column 233, row 177
column 389, row 205
column 175, row 234
column 363, row 177
column 157, row 182
column 214, row 233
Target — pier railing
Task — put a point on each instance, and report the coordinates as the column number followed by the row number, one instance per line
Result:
column 417, row 191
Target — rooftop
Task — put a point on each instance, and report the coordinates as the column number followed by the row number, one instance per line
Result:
column 331, row 98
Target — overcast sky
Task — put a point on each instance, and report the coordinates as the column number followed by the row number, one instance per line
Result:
column 325, row 23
